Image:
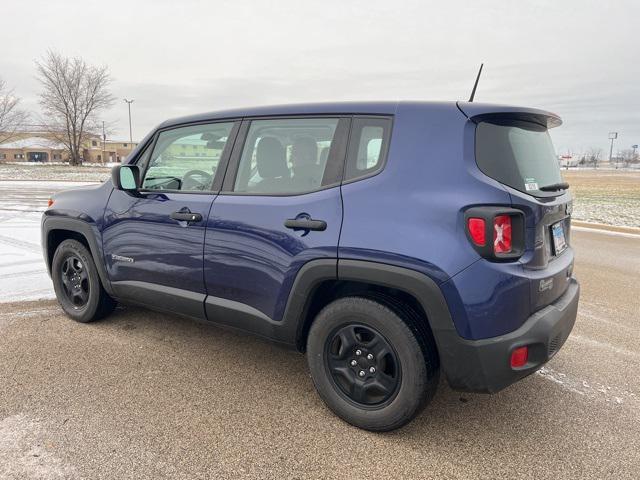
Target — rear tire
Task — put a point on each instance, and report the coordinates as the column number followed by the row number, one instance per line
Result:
column 353, row 335
column 77, row 284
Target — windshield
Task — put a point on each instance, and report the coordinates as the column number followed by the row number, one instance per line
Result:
column 518, row 154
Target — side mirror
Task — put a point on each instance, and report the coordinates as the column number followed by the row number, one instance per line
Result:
column 126, row 177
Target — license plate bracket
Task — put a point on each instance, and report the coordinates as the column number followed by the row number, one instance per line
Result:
column 559, row 240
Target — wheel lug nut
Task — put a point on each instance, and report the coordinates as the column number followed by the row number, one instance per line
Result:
column 358, row 352
column 370, row 357
column 362, row 373
column 372, row 369
column 353, row 363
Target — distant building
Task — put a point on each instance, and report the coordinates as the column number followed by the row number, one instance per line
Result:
column 111, row 151
column 32, row 145
column 32, row 149
column 568, row 160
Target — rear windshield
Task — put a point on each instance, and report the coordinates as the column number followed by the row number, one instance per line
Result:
column 518, row 154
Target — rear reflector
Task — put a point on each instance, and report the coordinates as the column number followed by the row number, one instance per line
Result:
column 502, row 234
column 476, row 228
column 519, row 357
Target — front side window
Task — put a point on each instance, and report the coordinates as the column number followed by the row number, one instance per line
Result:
column 518, row 154
column 367, row 148
column 288, row 156
column 172, row 167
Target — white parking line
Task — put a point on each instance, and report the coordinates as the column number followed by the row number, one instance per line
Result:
column 602, row 345
column 584, row 312
column 583, row 388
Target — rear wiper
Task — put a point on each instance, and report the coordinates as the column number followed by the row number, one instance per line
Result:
column 555, row 186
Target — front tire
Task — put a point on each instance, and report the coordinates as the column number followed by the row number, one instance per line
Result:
column 368, row 366
column 77, row 284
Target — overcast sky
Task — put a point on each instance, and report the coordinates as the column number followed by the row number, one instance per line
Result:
column 578, row 58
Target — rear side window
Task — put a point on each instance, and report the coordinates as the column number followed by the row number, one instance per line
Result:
column 518, row 154
column 368, row 146
column 287, row 156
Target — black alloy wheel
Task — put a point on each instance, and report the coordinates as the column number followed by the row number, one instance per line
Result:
column 370, row 364
column 363, row 365
column 75, row 281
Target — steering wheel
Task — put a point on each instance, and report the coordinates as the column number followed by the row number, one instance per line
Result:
column 191, row 182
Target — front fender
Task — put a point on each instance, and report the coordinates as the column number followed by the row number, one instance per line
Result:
column 81, row 224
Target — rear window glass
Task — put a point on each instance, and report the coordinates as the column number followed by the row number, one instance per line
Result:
column 367, row 147
column 518, row 154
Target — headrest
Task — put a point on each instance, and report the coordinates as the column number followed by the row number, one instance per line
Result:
column 304, row 151
column 270, row 158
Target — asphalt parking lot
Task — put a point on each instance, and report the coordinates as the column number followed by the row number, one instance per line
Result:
column 147, row 395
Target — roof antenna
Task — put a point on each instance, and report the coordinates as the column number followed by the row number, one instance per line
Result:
column 475, row 85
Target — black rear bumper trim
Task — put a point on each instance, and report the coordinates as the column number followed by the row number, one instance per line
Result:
column 483, row 365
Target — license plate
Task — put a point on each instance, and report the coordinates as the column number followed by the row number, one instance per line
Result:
column 559, row 243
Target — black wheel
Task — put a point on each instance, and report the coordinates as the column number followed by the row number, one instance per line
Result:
column 77, row 284
column 368, row 366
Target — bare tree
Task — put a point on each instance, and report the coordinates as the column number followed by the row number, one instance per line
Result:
column 593, row 156
column 11, row 116
column 74, row 92
column 628, row 156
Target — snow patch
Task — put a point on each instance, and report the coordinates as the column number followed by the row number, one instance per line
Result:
column 23, row 273
column 26, row 451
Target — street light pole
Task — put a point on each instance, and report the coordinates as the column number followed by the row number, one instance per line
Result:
column 612, row 137
column 104, row 141
column 129, row 102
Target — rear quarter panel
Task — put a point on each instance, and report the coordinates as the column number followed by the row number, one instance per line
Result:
column 411, row 213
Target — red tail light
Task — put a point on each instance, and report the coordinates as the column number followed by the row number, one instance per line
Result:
column 49, row 202
column 502, row 234
column 497, row 233
column 519, row 357
column 477, row 228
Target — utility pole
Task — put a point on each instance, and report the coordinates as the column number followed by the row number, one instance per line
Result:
column 129, row 102
column 104, row 141
column 612, row 137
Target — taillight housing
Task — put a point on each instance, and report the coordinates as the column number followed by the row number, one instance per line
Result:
column 497, row 233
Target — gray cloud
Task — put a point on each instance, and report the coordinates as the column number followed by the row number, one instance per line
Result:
column 176, row 58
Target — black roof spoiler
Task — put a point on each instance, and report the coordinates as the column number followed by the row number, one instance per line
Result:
column 479, row 112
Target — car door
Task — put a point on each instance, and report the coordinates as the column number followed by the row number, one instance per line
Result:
column 279, row 208
column 153, row 238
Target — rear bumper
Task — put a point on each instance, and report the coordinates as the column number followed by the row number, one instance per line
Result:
column 483, row 365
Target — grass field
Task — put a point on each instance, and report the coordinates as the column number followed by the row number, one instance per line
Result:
column 611, row 197
column 605, row 196
column 55, row 172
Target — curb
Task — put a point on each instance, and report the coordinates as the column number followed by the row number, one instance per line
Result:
column 604, row 226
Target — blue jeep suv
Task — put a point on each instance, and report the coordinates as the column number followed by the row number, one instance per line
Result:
column 388, row 241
